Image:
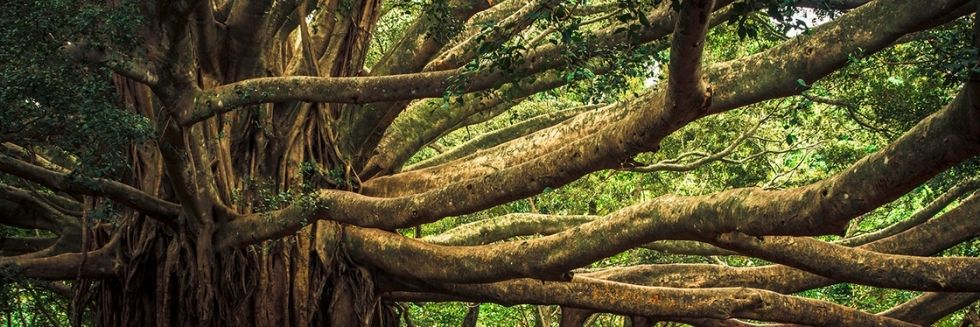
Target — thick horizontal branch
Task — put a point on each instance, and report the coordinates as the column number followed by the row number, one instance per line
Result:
column 716, row 303
column 20, row 215
column 502, row 135
column 97, row 264
column 952, row 228
column 33, row 157
column 505, row 227
column 860, row 266
column 122, row 193
column 514, row 225
column 353, row 90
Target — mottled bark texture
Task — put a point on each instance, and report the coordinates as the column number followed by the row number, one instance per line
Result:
column 254, row 98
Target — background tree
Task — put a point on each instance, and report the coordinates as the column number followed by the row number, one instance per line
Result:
column 704, row 162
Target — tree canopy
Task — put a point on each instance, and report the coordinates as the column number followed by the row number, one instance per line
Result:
column 489, row 163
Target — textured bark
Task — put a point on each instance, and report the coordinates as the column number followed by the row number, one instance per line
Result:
column 221, row 226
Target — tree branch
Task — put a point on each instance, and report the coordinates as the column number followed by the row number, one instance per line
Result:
column 508, row 226
column 333, row 90
column 954, row 227
column 58, row 221
column 97, row 264
column 500, row 136
column 505, row 227
column 859, row 266
column 717, row 303
column 21, row 245
column 122, row 64
column 120, row 192
column 425, row 121
column 918, row 217
column 928, row 308
column 686, row 89
column 491, row 38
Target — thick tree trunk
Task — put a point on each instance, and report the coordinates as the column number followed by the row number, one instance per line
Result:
column 177, row 275
column 278, row 283
column 259, row 217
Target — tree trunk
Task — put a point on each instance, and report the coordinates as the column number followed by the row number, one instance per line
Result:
column 177, row 275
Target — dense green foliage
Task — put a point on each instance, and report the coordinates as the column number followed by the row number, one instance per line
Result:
column 66, row 104
column 805, row 139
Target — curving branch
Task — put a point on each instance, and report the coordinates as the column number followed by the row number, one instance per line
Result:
column 56, row 220
column 125, row 194
column 820, row 208
column 716, row 303
column 505, row 227
column 859, row 266
column 918, row 217
column 928, row 308
column 22, row 245
column 96, row 264
column 502, row 135
column 950, row 229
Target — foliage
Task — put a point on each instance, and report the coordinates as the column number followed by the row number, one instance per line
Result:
column 50, row 100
